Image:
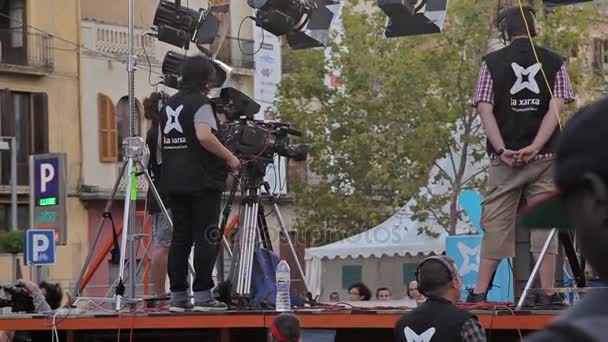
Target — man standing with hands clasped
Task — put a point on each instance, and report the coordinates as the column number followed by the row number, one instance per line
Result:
column 519, row 110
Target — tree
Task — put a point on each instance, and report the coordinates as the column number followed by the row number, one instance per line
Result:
column 565, row 30
column 376, row 139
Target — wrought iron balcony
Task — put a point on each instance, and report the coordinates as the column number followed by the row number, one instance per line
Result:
column 237, row 54
column 26, row 52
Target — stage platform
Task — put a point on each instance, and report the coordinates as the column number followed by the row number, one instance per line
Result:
column 349, row 325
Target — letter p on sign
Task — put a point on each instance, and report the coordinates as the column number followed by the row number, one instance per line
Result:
column 47, row 173
column 40, row 246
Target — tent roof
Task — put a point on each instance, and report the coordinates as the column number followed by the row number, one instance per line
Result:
column 398, row 235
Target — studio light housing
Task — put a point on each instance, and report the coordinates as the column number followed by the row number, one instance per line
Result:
column 178, row 25
column 306, row 23
column 172, row 74
column 413, row 17
column 170, row 69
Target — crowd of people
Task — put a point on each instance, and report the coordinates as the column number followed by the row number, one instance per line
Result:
column 360, row 292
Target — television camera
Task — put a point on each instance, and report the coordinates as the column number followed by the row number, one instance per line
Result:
column 17, row 297
column 254, row 140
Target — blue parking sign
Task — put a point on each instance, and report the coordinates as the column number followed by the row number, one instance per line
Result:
column 40, row 246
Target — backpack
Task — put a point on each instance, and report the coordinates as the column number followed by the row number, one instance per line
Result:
column 263, row 280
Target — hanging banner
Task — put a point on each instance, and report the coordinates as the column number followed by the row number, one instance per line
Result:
column 268, row 74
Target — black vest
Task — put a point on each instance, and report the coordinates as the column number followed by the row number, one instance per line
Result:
column 521, row 95
column 187, row 167
column 436, row 320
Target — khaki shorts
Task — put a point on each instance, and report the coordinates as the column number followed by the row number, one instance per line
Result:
column 506, row 185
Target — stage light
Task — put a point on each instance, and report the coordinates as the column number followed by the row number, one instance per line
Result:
column 172, row 74
column 178, row 25
column 413, row 17
column 306, row 23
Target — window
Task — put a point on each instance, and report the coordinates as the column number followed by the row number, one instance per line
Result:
column 13, row 36
column 25, row 117
column 350, row 275
column 122, row 110
column 108, row 135
column 114, row 126
column 409, row 273
column 23, row 216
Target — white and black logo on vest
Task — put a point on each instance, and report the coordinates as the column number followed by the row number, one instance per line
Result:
column 412, row 336
column 174, row 133
column 525, row 92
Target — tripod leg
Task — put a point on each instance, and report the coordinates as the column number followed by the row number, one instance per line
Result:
column 263, row 229
column 247, row 241
column 291, row 247
column 532, row 277
column 125, row 232
column 577, row 271
column 85, row 266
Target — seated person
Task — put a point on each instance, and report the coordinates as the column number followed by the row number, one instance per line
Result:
column 383, row 293
column 414, row 294
column 285, row 328
column 45, row 296
column 359, row 292
column 439, row 319
column 334, row 297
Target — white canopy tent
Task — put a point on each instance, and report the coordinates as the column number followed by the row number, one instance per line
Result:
column 397, row 236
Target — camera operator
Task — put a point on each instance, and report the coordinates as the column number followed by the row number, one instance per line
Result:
column 439, row 319
column 194, row 171
column 45, row 297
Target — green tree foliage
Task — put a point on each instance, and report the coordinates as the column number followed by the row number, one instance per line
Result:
column 375, row 140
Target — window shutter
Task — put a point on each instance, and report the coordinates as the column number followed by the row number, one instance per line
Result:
column 41, row 123
column 108, row 135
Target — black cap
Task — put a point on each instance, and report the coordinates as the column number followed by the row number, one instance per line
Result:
column 581, row 149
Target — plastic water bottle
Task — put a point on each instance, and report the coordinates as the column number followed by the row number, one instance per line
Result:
column 283, row 276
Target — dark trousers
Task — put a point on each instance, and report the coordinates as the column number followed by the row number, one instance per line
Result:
column 195, row 221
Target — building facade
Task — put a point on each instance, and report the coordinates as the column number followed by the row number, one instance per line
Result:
column 39, row 106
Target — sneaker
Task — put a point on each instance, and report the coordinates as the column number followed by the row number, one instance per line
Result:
column 553, row 302
column 210, row 305
column 476, row 297
column 180, row 306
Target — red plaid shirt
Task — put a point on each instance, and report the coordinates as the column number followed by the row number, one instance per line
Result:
column 485, row 93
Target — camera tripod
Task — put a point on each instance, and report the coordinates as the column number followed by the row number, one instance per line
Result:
column 253, row 229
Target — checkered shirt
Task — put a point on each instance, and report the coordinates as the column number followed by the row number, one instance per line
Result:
column 485, row 92
column 472, row 331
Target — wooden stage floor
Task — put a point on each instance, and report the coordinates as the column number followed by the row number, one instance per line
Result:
column 350, row 325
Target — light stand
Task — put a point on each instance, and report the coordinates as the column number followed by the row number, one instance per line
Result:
column 134, row 155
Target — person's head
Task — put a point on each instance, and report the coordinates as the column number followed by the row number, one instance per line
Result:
column 438, row 277
column 383, row 293
column 53, row 293
column 334, row 297
column 285, row 328
column 581, row 177
column 412, row 290
column 358, row 291
column 515, row 24
column 196, row 74
column 152, row 106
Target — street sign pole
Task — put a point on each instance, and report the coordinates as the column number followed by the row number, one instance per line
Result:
column 48, row 207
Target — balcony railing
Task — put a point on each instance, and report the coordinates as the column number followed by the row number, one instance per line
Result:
column 23, row 51
column 237, row 56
